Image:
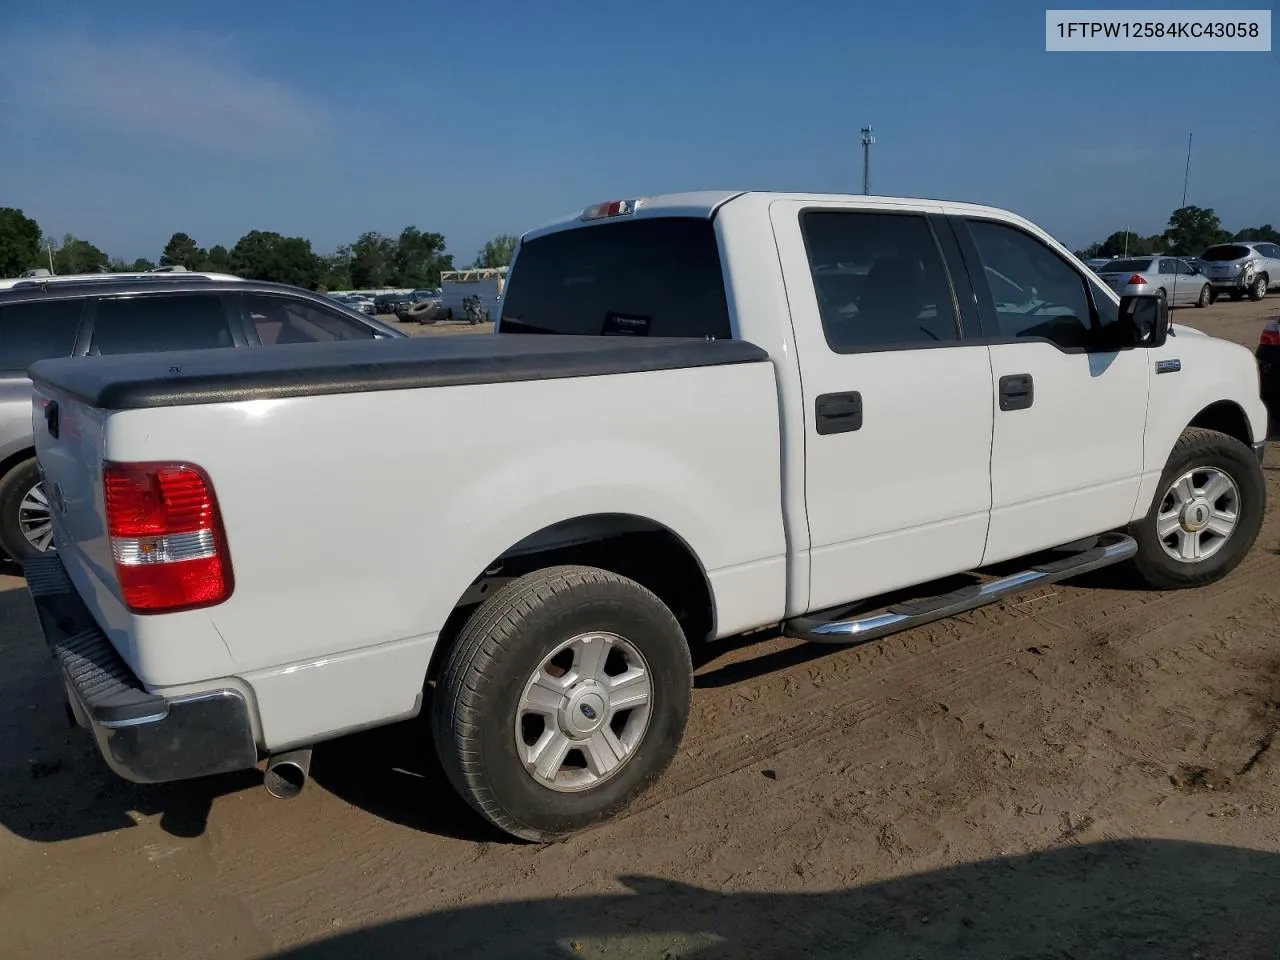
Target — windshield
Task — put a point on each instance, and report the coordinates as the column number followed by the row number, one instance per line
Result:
column 1228, row 251
column 1126, row 266
column 657, row 277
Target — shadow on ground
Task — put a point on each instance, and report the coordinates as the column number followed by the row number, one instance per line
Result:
column 55, row 786
column 1132, row 899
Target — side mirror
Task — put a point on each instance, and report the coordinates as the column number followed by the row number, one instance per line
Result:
column 1144, row 320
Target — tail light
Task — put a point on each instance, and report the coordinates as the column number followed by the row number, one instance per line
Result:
column 1270, row 334
column 167, row 539
column 1136, row 280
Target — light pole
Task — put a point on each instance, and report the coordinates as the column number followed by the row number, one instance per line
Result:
column 867, row 141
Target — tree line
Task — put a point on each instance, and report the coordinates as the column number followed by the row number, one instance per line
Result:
column 1189, row 231
column 415, row 258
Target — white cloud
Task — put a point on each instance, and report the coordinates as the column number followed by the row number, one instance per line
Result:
column 175, row 89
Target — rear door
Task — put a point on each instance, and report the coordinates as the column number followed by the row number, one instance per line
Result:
column 898, row 405
column 1067, row 451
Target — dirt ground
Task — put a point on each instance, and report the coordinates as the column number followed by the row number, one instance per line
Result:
column 1083, row 771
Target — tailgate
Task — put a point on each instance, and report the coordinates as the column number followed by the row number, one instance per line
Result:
column 69, row 448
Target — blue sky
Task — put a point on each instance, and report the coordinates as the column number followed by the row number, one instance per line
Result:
column 124, row 122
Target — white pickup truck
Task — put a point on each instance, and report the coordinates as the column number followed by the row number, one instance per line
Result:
column 702, row 415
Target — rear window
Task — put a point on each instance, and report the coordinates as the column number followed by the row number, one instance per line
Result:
column 1126, row 266
column 655, row 278
column 37, row 331
column 149, row 324
column 1230, row 251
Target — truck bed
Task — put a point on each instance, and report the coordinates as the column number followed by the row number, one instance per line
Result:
column 363, row 487
column 142, row 381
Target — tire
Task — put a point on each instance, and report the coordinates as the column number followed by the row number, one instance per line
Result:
column 1196, row 452
column 22, row 480
column 1206, row 297
column 1258, row 289
column 503, row 648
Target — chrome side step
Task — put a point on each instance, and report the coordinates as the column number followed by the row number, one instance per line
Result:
column 1107, row 549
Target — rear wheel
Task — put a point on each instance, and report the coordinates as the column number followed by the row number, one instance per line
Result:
column 1206, row 514
column 564, row 697
column 1258, row 289
column 26, row 522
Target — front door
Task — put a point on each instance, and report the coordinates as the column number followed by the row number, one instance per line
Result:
column 1066, row 456
column 898, row 407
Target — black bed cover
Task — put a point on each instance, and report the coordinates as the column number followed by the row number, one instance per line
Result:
column 137, row 381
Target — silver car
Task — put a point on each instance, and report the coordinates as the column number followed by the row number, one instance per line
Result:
column 1241, row 269
column 1174, row 279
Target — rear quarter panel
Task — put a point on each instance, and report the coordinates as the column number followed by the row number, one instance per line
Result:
column 356, row 521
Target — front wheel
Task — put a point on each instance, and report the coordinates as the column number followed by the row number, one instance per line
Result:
column 1206, row 296
column 1206, row 513
column 564, row 697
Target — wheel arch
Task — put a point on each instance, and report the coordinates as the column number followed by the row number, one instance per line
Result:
column 640, row 548
column 1225, row 416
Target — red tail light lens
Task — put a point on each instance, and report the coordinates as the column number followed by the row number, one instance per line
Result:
column 1270, row 335
column 167, row 539
column 1136, row 280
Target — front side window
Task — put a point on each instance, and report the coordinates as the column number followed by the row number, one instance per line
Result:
column 37, row 331
column 1036, row 293
column 655, row 277
column 879, row 280
column 280, row 320
column 156, row 323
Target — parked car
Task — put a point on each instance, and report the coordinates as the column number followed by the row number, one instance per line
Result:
column 743, row 411
column 392, row 304
column 1170, row 278
column 1243, row 269
column 109, row 314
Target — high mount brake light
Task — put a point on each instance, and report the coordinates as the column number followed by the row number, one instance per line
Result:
column 611, row 208
column 167, row 540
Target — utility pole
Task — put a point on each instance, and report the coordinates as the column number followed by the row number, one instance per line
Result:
column 1187, row 175
column 867, row 141
column 1126, row 240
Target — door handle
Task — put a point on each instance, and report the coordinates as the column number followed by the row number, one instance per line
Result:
column 1017, row 391
column 839, row 412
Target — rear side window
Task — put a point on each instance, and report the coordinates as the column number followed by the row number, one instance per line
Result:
column 1228, row 251
column 147, row 324
column 37, row 331
column 281, row 320
column 645, row 278
column 879, row 280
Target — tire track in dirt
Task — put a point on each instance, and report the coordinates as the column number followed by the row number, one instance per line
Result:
column 948, row 667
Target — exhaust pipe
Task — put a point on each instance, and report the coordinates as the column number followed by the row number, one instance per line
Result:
column 287, row 773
